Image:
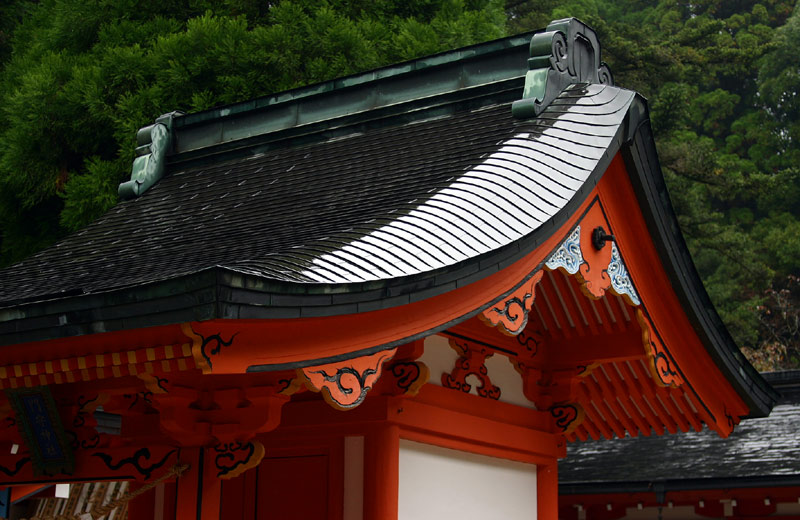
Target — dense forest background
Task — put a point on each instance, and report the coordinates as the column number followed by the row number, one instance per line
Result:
column 79, row 77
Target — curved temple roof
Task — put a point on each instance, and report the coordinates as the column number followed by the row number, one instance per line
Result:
column 500, row 196
column 439, row 193
column 357, row 207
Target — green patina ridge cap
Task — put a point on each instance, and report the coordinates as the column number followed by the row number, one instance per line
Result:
column 429, row 81
column 153, row 142
column 567, row 52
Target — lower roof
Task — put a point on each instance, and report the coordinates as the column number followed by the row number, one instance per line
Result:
column 758, row 450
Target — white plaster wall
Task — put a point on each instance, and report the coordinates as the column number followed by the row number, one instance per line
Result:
column 437, row 483
column 441, row 358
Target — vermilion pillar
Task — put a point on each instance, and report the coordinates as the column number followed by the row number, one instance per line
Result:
column 381, row 473
column 547, row 499
column 198, row 496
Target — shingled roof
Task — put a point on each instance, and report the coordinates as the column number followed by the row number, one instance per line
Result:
column 760, row 452
column 398, row 201
column 360, row 194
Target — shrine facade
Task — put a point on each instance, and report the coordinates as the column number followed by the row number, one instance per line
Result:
column 398, row 294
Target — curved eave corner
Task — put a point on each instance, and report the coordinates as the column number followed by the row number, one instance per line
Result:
column 474, row 246
column 641, row 160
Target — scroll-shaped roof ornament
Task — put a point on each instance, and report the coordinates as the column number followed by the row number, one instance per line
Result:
column 566, row 53
column 152, row 144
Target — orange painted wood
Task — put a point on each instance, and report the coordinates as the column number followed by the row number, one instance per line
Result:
column 629, row 398
column 562, row 285
column 510, row 314
column 547, row 491
column 603, row 425
column 345, row 384
column 469, row 428
column 293, row 488
column 143, row 506
column 553, row 303
column 381, row 472
column 198, row 494
column 650, row 394
column 691, row 416
column 649, row 276
column 636, row 390
column 233, row 496
column 600, row 387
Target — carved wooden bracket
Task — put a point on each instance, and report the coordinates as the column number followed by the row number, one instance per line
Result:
column 82, row 430
column 344, row 384
column 510, row 315
column 204, row 348
column 406, row 377
column 568, row 416
column 217, row 415
column 661, row 363
column 234, row 458
column 471, row 362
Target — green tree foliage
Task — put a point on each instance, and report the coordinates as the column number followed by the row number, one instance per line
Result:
column 722, row 79
column 81, row 76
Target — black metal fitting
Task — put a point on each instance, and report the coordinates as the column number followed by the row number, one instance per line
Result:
column 600, row 237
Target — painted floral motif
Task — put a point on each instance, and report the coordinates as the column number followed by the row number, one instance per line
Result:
column 568, row 256
column 620, row 281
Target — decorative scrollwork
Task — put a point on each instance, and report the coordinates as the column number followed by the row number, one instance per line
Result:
column 136, row 460
column 531, row 342
column 568, row 255
column 566, row 53
column 408, row 377
column 471, row 362
column 154, row 384
column 203, row 348
column 10, row 472
column 290, row 385
column 234, row 458
column 345, row 384
column 660, row 360
column 568, row 416
column 510, row 315
column 149, row 167
column 83, row 433
column 620, row 280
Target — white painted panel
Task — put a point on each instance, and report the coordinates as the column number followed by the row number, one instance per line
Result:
column 438, row 483
column 503, row 374
column 441, row 358
column 353, row 478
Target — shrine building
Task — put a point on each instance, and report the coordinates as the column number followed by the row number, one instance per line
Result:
column 395, row 295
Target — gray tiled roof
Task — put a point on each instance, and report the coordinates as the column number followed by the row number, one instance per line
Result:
column 393, row 202
column 758, row 447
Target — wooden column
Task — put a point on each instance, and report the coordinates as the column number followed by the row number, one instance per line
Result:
column 381, row 472
column 143, row 507
column 198, row 496
column 547, row 492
